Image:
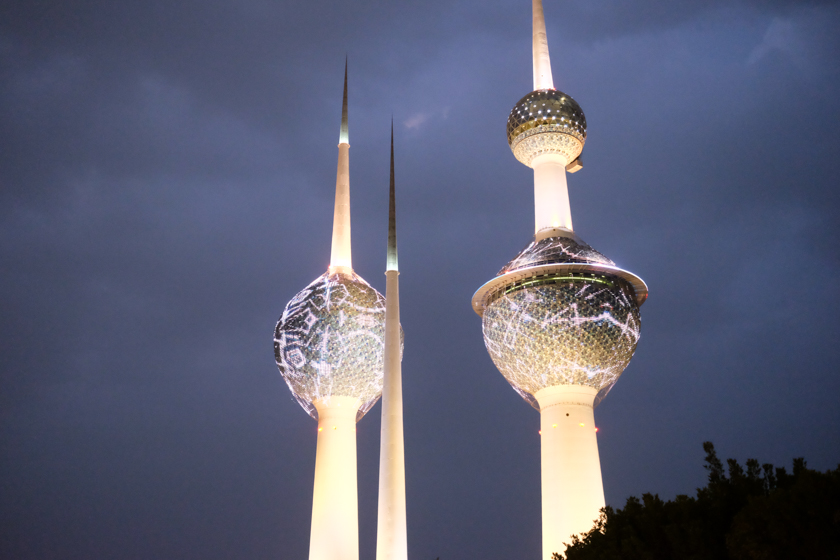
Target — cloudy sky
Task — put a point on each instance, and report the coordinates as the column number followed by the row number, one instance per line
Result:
column 167, row 174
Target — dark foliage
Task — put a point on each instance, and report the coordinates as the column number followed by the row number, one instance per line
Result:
column 751, row 512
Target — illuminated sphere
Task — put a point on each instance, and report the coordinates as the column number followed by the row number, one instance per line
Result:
column 546, row 121
column 561, row 313
column 330, row 341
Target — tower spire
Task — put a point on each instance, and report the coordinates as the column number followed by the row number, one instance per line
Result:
column 391, row 540
column 542, row 64
column 392, row 218
column 341, row 259
column 343, row 136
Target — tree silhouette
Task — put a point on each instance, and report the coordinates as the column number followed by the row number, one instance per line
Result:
column 753, row 512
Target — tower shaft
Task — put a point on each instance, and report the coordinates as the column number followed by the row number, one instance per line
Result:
column 340, row 257
column 391, row 532
column 551, row 194
column 572, row 490
column 335, row 500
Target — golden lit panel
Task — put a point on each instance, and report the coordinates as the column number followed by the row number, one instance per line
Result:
column 566, row 330
column 330, row 341
column 546, row 139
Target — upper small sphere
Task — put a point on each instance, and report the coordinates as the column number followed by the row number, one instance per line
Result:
column 330, row 341
column 546, row 121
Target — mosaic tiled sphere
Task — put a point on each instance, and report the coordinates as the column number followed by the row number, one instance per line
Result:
column 563, row 328
column 546, row 121
column 330, row 341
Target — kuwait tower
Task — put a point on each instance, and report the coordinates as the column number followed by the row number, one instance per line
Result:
column 560, row 320
column 329, row 347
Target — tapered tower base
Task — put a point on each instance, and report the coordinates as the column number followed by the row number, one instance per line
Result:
column 391, row 531
column 335, row 502
column 572, row 490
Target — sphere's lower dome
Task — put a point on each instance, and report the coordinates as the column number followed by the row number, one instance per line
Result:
column 546, row 121
column 572, row 329
column 330, row 341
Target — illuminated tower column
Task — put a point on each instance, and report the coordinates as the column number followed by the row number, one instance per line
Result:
column 572, row 489
column 335, row 501
column 551, row 194
column 391, row 538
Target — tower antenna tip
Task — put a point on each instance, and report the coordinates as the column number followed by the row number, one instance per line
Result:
column 344, row 135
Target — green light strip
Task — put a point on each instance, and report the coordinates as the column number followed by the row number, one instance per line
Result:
column 556, row 278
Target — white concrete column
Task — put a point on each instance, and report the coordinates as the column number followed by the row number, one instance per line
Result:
column 341, row 256
column 551, row 193
column 391, row 534
column 572, row 489
column 335, row 501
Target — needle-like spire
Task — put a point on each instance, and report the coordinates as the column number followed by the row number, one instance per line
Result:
column 391, row 540
column 343, row 136
column 392, row 217
column 340, row 259
column 542, row 64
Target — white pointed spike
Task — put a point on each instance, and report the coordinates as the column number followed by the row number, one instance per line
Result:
column 340, row 259
column 542, row 64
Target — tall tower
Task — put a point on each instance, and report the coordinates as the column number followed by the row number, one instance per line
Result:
column 329, row 346
column 560, row 320
column 391, row 540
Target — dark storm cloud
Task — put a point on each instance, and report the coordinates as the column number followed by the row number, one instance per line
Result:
column 167, row 174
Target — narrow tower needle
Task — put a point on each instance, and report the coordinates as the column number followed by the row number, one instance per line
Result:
column 391, row 538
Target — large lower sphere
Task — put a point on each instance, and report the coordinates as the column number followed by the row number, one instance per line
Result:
column 567, row 330
column 330, row 341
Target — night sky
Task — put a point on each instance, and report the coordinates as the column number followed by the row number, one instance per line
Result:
column 167, row 178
